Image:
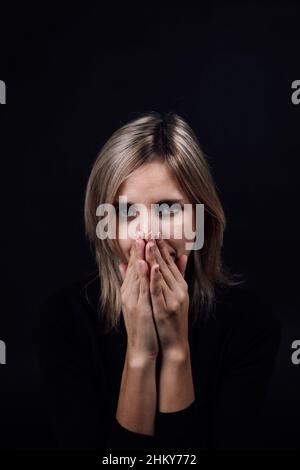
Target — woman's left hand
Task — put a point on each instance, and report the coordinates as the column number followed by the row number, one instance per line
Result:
column 170, row 298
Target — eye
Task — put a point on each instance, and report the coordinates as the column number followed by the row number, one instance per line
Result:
column 122, row 211
column 126, row 212
column 172, row 210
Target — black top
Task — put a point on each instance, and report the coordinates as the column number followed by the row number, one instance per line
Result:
column 232, row 357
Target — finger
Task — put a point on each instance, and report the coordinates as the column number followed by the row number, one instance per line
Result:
column 136, row 252
column 138, row 244
column 156, row 289
column 142, row 268
column 132, row 259
column 162, row 247
column 151, row 258
column 134, row 282
column 131, row 277
column 164, row 268
column 132, row 255
column 150, row 253
column 140, row 249
column 144, row 292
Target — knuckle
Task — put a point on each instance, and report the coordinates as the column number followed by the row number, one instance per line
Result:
column 181, row 297
column 174, row 306
column 185, row 286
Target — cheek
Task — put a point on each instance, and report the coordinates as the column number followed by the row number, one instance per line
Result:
column 177, row 238
column 183, row 227
column 179, row 246
column 174, row 227
column 189, row 225
column 186, row 226
column 125, row 246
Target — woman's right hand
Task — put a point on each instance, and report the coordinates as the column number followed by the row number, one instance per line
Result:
column 142, row 340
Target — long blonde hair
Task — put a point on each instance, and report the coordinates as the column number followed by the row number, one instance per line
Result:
column 151, row 136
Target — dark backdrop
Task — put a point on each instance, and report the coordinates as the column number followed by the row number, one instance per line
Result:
column 73, row 76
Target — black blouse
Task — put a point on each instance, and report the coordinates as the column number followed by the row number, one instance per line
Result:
column 232, row 357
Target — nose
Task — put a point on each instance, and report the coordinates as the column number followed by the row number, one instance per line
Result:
column 145, row 235
column 148, row 225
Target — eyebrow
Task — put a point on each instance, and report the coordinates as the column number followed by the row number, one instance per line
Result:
column 162, row 201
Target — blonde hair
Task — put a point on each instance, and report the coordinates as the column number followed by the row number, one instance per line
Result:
column 152, row 136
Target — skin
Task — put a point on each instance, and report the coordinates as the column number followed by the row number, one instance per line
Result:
column 149, row 184
column 155, row 305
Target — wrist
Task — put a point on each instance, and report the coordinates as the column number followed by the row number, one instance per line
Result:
column 176, row 388
column 140, row 361
column 176, row 355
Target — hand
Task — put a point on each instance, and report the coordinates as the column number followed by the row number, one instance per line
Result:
column 142, row 341
column 170, row 299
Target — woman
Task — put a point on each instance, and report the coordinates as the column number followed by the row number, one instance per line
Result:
column 162, row 348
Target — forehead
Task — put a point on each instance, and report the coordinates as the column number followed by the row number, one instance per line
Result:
column 151, row 182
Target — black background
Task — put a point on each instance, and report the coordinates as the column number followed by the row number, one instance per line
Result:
column 73, row 76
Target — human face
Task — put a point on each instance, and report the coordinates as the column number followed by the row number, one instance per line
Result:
column 154, row 183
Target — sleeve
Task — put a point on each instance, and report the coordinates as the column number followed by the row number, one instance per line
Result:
column 174, row 430
column 120, row 438
column 73, row 392
column 248, row 360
